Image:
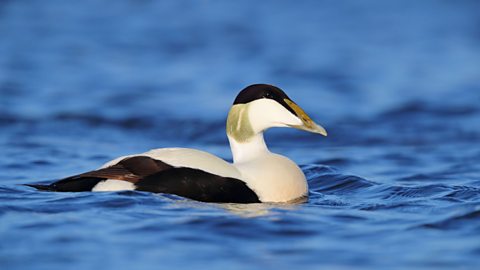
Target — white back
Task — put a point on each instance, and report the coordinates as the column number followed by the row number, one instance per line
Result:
column 190, row 158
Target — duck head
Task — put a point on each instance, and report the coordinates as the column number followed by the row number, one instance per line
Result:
column 261, row 106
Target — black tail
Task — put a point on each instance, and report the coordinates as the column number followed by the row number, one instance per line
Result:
column 71, row 184
column 41, row 187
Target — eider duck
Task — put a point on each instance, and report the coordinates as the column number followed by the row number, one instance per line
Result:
column 256, row 174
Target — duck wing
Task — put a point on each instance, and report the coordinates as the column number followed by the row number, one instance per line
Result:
column 130, row 169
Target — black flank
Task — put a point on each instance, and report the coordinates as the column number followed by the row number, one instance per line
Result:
column 198, row 185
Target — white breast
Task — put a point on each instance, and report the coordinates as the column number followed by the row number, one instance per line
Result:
column 274, row 178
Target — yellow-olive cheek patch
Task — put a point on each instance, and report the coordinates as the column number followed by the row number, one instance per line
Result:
column 238, row 123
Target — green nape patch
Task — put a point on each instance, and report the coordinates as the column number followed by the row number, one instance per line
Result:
column 238, row 123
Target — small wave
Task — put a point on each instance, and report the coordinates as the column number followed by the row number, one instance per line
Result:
column 334, row 161
column 464, row 193
column 457, row 221
column 394, row 192
column 326, row 180
column 401, row 206
column 8, row 118
column 133, row 122
column 423, row 177
column 417, row 108
column 314, row 170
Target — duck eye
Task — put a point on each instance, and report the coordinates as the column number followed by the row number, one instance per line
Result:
column 268, row 95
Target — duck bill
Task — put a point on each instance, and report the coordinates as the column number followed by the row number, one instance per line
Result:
column 307, row 122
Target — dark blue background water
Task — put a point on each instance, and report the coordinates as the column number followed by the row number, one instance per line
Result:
column 397, row 85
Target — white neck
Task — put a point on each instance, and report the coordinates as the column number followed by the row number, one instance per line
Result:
column 247, row 122
column 245, row 151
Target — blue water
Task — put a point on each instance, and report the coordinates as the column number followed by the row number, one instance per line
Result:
column 395, row 185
